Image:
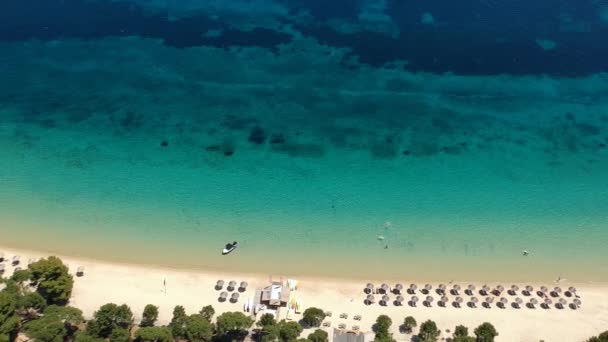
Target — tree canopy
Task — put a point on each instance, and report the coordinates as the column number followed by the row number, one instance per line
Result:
column 178, row 322
column 603, row 337
column 154, row 334
column 312, row 317
column 289, row 331
column 149, row 316
column 198, row 329
column 208, row 312
column 409, row 323
column 382, row 326
column 318, row 336
column 428, row 331
column 486, row 332
column 52, row 280
column 108, row 318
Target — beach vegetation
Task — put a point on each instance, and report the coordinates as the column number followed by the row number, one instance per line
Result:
column 120, row 335
column 461, row 334
column 232, row 326
column 603, row 337
column 289, row 331
column 486, row 332
column 266, row 320
column 409, row 323
column 178, row 322
column 153, row 334
column 198, row 329
column 149, row 316
column 52, row 280
column 382, row 327
column 56, row 324
column 9, row 321
column 21, row 276
column 208, row 311
column 108, row 318
column 318, row 336
column 428, row 331
column 31, row 304
column 312, row 317
column 84, row 337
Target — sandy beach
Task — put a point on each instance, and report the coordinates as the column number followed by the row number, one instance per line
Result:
column 138, row 285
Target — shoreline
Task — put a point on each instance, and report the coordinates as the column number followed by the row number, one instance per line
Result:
column 138, row 285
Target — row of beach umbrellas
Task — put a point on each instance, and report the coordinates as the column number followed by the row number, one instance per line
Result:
column 219, row 285
column 456, row 289
column 472, row 301
column 224, row 296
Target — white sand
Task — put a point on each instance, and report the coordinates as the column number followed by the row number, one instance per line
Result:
column 138, row 285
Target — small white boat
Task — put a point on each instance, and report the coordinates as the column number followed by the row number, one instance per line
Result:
column 229, row 248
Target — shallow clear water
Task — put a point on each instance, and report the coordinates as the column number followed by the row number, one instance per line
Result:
column 133, row 149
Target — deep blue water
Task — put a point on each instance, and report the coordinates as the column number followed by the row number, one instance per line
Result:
column 466, row 37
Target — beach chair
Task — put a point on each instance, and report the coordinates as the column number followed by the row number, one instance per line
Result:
column 342, row 326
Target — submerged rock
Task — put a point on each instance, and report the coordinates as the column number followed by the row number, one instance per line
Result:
column 257, row 135
column 277, row 138
column 164, row 143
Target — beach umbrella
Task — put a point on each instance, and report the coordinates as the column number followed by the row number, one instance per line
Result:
column 458, row 300
column 398, row 288
column 533, row 301
column 500, row 288
column 474, row 300
column 471, row 287
column 557, row 289
column 414, row 299
column 441, row 287
column 562, row 301
column 413, row 287
column 232, row 284
column 456, row 288
column 370, row 299
column 223, row 295
column 514, row 288
column 428, row 287
column 384, row 288
column 400, row 299
column 504, row 301
column 429, row 299
column 543, row 289
column 369, row 288
column 577, row 302
column 234, row 297
column 485, row 288
column 489, row 300
column 519, row 301
column 444, row 299
column 572, row 289
column 219, row 284
column 243, row 285
column 548, row 301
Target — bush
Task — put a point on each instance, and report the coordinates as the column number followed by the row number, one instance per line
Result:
column 233, row 323
column 313, row 317
column 153, row 334
column 178, row 322
column 108, row 318
column 198, row 329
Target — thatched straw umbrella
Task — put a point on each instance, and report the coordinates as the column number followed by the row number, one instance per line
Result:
column 557, row 290
column 543, row 289
column 384, row 288
column 503, row 302
column 370, row 299
column 499, row 289
column 219, row 285
column 489, row 300
column 455, row 289
column 231, row 285
column 572, row 290
column 412, row 288
column 235, row 297
column 429, row 300
column 547, row 302
column 444, row 299
column 473, row 301
column 441, row 288
column 533, row 301
column 369, row 288
column 397, row 289
column 243, row 286
column 399, row 300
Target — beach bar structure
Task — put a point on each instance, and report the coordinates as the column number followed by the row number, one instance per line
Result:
column 340, row 335
column 275, row 295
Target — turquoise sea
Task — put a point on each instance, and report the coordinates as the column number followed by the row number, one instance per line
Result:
column 321, row 155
